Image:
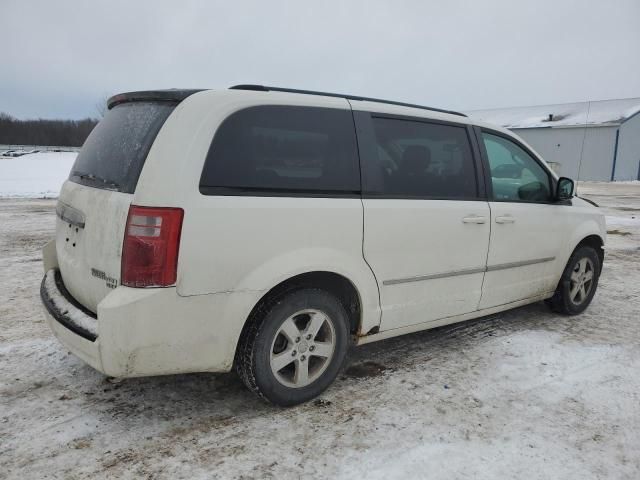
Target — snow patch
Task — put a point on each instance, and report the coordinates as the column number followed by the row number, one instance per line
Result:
column 35, row 175
column 615, row 221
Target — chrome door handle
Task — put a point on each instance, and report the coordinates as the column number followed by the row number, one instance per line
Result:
column 474, row 219
column 505, row 219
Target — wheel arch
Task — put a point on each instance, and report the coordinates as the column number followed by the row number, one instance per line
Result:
column 589, row 231
column 339, row 285
column 594, row 241
column 335, row 283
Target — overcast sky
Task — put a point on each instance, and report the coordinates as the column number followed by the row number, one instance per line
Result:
column 60, row 58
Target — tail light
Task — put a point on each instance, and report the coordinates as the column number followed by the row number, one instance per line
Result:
column 150, row 248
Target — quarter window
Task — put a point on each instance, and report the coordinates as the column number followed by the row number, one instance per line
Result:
column 282, row 148
column 515, row 175
column 416, row 159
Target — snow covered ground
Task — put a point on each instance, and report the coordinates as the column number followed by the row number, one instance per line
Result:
column 35, row 175
column 524, row 394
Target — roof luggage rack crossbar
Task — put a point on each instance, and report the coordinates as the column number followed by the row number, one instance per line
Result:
column 263, row 88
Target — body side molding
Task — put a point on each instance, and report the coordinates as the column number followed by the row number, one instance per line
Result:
column 468, row 271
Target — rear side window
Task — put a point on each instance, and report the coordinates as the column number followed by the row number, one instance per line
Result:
column 271, row 149
column 416, row 159
column 114, row 153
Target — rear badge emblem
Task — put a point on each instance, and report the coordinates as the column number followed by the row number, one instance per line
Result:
column 110, row 281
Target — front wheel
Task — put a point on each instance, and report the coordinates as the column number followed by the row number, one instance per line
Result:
column 294, row 346
column 578, row 283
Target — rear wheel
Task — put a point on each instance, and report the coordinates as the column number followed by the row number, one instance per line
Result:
column 578, row 283
column 294, row 346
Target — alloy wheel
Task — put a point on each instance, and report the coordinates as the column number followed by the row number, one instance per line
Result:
column 581, row 281
column 302, row 348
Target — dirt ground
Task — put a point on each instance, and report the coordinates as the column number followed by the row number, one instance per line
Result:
column 523, row 394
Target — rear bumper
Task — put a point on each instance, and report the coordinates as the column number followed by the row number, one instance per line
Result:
column 154, row 331
column 64, row 309
column 72, row 325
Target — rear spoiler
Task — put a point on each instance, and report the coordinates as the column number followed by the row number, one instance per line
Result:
column 172, row 95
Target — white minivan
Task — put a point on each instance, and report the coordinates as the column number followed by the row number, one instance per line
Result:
column 267, row 229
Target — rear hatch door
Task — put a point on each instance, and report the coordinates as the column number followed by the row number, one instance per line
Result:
column 94, row 202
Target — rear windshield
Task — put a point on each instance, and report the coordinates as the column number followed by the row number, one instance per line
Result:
column 115, row 151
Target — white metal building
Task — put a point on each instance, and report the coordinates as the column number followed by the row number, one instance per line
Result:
column 597, row 140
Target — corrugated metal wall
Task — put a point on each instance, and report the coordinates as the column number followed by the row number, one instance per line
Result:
column 565, row 145
column 628, row 158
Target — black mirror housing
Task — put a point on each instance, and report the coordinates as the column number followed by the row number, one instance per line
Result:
column 565, row 188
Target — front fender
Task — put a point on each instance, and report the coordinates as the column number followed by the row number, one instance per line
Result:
column 592, row 226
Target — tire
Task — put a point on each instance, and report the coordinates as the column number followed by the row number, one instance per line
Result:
column 569, row 298
column 305, row 330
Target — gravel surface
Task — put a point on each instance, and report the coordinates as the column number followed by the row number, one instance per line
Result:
column 523, row 394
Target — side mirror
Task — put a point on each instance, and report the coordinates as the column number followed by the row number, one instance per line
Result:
column 564, row 188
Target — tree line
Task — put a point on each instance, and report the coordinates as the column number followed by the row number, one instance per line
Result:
column 63, row 133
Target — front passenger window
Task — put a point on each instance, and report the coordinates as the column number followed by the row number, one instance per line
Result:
column 515, row 175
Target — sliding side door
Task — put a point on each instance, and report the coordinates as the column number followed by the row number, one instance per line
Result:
column 426, row 218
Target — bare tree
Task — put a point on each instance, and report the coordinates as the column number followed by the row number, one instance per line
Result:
column 71, row 133
column 101, row 105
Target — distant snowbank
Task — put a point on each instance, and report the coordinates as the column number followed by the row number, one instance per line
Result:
column 35, row 175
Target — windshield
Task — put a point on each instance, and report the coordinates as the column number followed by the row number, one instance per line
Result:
column 115, row 151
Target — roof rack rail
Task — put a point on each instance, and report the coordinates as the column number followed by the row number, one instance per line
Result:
column 263, row 88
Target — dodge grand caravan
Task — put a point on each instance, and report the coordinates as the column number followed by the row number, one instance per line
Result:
column 266, row 229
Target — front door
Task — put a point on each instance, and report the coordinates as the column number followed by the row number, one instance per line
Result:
column 527, row 230
column 426, row 223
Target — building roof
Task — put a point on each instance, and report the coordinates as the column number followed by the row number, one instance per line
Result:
column 599, row 113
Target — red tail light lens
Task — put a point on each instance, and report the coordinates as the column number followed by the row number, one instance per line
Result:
column 150, row 249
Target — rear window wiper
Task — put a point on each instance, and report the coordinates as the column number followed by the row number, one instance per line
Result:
column 95, row 178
